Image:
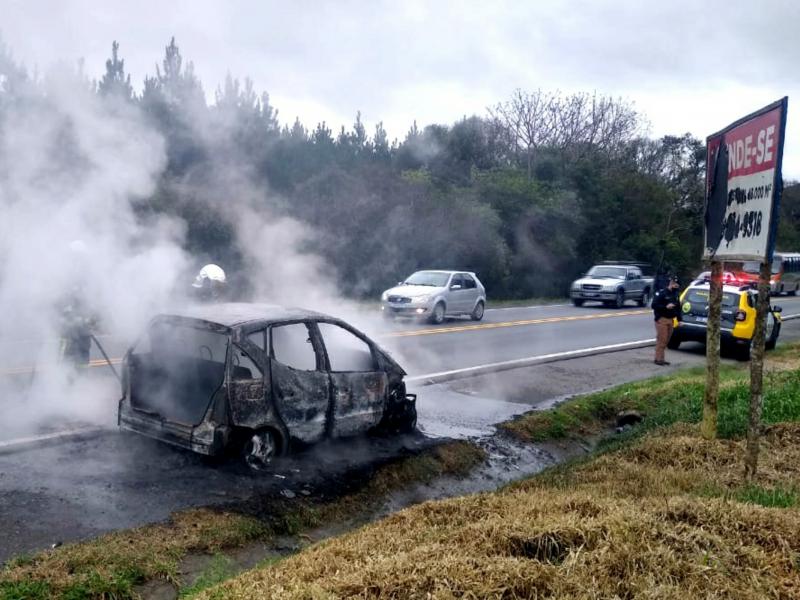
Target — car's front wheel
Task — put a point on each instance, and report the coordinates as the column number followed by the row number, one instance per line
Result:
column 773, row 331
column 477, row 312
column 260, row 449
column 577, row 302
column 437, row 314
column 619, row 301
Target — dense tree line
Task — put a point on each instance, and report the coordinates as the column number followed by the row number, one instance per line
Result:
column 528, row 195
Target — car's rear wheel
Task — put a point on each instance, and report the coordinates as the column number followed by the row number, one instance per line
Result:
column 674, row 341
column 437, row 314
column 577, row 302
column 259, row 449
column 619, row 301
column 477, row 312
column 742, row 352
column 793, row 292
column 773, row 331
column 645, row 299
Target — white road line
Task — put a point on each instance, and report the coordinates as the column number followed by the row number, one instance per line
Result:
column 442, row 376
column 16, row 444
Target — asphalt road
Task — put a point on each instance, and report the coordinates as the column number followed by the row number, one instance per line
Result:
column 74, row 489
column 504, row 334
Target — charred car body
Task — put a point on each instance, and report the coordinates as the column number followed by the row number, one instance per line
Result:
column 254, row 378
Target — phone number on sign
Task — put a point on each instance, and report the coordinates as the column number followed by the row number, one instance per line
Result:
column 747, row 225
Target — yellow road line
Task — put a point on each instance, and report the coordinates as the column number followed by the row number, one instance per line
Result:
column 410, row 333
column 481, row 326
column 99, row 362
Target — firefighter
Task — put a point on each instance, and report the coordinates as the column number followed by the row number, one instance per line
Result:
column 77, row 322
column 210, row 284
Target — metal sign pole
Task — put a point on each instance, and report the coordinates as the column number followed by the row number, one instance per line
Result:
column 708, row 428
column 757, row 374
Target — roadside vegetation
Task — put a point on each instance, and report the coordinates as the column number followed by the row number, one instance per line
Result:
column 660, row 512
column 666, row 400
column 113, row 564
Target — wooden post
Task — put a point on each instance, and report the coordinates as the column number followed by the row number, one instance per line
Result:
column 708, row 428
column 757, row 374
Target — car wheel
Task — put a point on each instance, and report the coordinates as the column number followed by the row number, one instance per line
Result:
column 674, row 342
column 619, row 301
column 577, row 302
column 437, row 314
column 742, row 353
column 477, row 312
column 772, row 333
column 259, row 449
column 793, row 292
column 388, row 315
column 645, row 299
column 408, row 421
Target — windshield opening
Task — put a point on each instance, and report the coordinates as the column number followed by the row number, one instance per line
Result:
column 430, row 278
column 754, row 267
column 175, row 371
column 701, row 297
column 615, row 272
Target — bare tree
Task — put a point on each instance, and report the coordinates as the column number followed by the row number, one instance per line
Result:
column 528, row 120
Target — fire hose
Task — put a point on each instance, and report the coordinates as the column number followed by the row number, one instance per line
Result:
column 108, row 360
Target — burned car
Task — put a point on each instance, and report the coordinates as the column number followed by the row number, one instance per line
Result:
column 254, row 378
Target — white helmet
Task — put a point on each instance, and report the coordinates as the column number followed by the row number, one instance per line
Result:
column 209, row 274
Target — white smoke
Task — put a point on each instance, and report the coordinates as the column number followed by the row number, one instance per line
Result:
column 74, row 164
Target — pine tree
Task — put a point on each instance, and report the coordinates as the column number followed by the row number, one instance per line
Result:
column 114, row 81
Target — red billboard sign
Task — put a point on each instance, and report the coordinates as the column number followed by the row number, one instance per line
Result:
column 743, row 185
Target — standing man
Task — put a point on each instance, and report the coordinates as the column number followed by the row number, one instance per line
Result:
column 665, row 309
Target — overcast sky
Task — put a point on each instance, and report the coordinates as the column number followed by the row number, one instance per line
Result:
column 688, row 66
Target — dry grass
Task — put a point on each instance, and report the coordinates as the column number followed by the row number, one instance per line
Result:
column 110, row 566
column 658, row 519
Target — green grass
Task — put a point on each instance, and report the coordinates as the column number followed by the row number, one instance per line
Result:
column 667, row 400
column 220, row 569
column 769, row 497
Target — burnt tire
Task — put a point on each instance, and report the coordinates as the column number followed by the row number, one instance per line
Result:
column 577, row 302
column 437, row 314
column 407, row 422
column 477, row 312
column 259, row 449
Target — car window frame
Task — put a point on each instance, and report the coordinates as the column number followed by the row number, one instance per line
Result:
column 376, row 362
column 316, row 344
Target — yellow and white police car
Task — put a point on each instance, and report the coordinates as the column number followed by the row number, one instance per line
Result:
column 738, row 318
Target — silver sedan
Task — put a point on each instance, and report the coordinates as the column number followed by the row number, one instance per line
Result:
column 434, row 295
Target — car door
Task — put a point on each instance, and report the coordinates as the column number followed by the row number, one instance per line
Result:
column 471, row 292
column 247, row 400
column 301, row 389
column 359, row 387
column 456, row 295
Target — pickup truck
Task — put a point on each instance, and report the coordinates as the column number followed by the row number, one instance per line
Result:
column 613, row 285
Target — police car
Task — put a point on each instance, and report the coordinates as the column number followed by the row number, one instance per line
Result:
column 738, row 318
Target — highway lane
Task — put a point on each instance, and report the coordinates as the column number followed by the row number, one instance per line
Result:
column 504, row 334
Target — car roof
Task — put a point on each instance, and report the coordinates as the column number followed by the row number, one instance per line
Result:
column 732, row 289
column 231, row 314
column 443, row 271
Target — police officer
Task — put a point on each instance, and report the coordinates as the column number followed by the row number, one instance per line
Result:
column 665, row 309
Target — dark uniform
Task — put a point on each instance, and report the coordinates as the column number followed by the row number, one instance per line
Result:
column 666, row 308
column 76, row 332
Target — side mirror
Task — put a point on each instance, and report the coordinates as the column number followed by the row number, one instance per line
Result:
column 777, row 309
column 455, row 286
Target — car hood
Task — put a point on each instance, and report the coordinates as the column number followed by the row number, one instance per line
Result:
column 598, row 281
column 413, row 291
